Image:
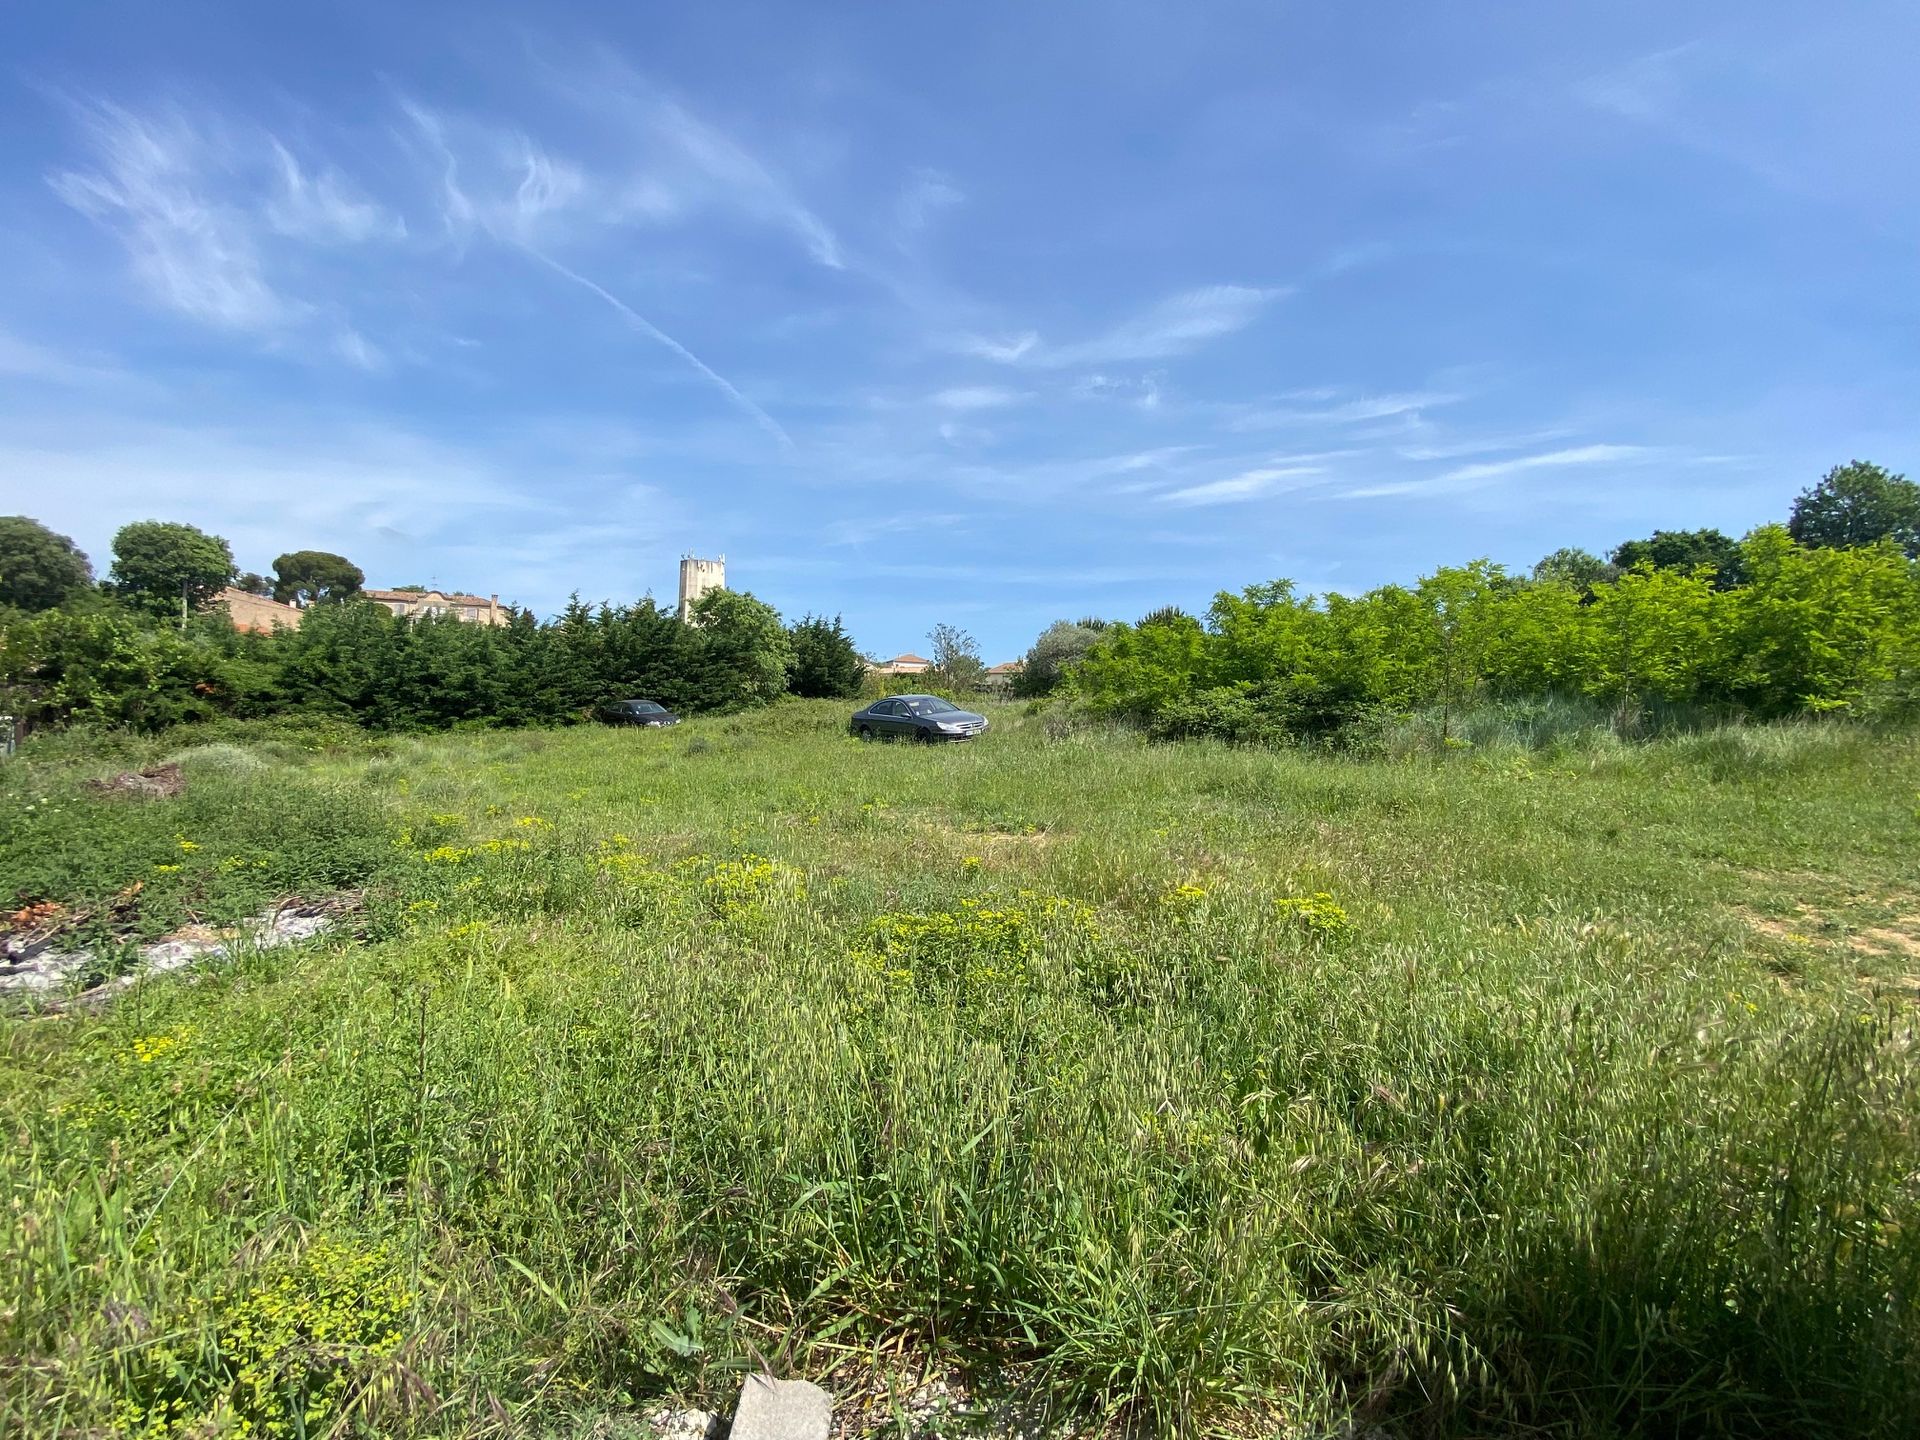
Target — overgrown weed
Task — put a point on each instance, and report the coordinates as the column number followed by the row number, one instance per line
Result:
column 1273, row 1089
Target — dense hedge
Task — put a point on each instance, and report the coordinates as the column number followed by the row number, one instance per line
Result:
column 1808, row 631
column 108, row 664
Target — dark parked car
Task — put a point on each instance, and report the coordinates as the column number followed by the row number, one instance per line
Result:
column 926, row 718
column 637, row 712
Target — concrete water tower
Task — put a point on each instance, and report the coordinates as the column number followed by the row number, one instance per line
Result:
column 697, row 577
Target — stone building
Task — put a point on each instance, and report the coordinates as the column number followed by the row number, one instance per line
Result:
column 257, row 613
column 697, row 577
column 471, row 608
column 1000, row 678
column 900, row 665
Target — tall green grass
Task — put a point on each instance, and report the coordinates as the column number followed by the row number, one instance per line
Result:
column 665, row 1054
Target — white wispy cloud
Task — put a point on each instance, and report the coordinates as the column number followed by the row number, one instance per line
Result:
column 1683, row 95
column 344, row 490
column 976, row 397
column 512, row 189
column 962, row 437
column 1176, row 325
column 191, row 249
column 862, row 529
column 325, row 207
column 354, row 348
column 1247, row 485
column 926, row 195
column 1155, row 458
column 1552, row 459
column 675, row 168
column 1311, row 407
column 1468, row 477
column 1461, row 446
column 677, row 163
column 1648, row 88
column 646, row 327
column 497, row 179
column 1007, row 350
column 743, row 180
column 204, row 209
column 1143, row 391
column 405, row 506
column 25, row 360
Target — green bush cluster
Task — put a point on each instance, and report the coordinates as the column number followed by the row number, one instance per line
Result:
column 129, row 868
column 111, row 663
column 973, row 949
column 1808, row 631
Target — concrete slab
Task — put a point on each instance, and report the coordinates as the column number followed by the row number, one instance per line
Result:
column 782, row 1410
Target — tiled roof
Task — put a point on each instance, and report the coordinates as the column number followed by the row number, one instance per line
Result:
column 909, row 660
column 232, row 592
column 391, row 595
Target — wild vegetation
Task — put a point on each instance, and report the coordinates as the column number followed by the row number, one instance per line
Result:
column 1806, row 631
column 1546, row 1084
column 102, row 662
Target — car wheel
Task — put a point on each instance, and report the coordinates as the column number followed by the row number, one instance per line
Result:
column 866, row 732
column 925, row 737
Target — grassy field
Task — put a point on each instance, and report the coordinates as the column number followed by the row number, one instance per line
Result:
column 1180, row 1088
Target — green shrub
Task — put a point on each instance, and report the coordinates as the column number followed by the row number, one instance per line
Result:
column 214, row 852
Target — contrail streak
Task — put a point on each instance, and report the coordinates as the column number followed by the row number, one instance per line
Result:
column 647, row 327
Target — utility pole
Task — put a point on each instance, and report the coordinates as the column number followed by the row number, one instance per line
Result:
column 183, row 607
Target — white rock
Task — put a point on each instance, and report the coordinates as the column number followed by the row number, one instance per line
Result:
column 45, row 971
column 782, row 1410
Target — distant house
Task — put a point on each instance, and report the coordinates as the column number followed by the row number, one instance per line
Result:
column 256, row 613
column 1001, row 677
column 899, row 665
column 420, row 603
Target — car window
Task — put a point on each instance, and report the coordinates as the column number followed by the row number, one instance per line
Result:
column 646, row 707
column 934, row 706
column 886, row 707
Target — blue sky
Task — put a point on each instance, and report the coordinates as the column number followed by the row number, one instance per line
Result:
column 991, row 314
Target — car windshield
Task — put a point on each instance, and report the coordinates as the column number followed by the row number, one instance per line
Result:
column 644, row 707
column 934, row 705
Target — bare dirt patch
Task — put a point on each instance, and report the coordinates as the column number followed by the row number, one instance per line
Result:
column 154, row 784
column 1902, row 938
column 1792, row 932
column 1898, row 938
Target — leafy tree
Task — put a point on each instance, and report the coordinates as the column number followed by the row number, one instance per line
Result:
column 1463, row 623
column 744, row 652
column 1858, row 504
column 1651, row 634
column 1060, row 645
column 160, row 564
column 825, row 663
column 1539, row 645
column 1165, row 615
column 1685, row 550
column 1570, row 565
column 254, row 583
column 108, row 665
column 343, row 660
column 956, row 657
column 1822, row 629
column 38, row 568
column 641, row 652
column 310, row 577
column 1138, row 670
